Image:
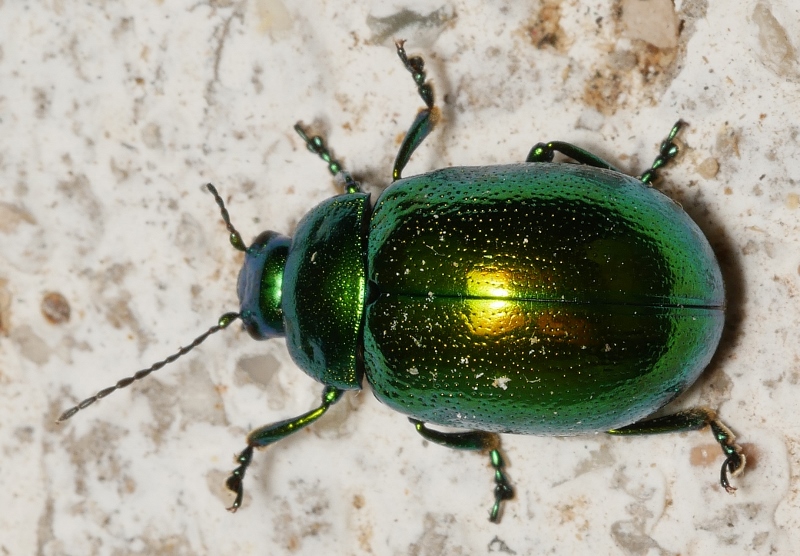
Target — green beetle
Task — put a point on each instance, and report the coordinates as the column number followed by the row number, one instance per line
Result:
column 535, row 298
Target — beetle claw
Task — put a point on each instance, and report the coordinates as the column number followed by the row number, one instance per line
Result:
column 733, row 464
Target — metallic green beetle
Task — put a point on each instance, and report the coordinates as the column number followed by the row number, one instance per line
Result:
column 535, row 298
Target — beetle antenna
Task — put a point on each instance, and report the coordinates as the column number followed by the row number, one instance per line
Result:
column 236, row 237
column 224, row 321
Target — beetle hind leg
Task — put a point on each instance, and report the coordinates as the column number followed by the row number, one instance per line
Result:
column 426, row 119
column 543, row 152
column 475, row 440
column 269, row 434
column 666, row 153
column 695, row 419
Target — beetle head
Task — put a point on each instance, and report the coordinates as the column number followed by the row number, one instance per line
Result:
column 260, row 286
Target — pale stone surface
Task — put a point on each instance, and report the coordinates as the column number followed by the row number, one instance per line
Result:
column 112, row 116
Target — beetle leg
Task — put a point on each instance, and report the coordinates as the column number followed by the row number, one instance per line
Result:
column 543, row 152
column 268, row 434
column 316, row 145
column 426, row 119
column 475, row 440
column 695, row 419
column 666, row 152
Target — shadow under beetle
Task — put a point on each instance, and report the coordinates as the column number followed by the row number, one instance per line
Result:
column 535, row 298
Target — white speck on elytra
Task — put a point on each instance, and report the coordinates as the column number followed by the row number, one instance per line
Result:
column 501, row 382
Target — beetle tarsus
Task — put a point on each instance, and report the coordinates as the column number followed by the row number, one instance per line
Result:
column 503, row 489
column 667, row 152
column 234, row 482
column 735, row 460
column 316, row 145
column 416, row 66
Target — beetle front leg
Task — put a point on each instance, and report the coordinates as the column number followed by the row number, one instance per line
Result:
column 316, row 145
column 269, row 434
column 690, row 420
column 475, row 440
column 426, row 119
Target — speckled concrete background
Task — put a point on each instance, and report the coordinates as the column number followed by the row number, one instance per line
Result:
column 112, row 116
